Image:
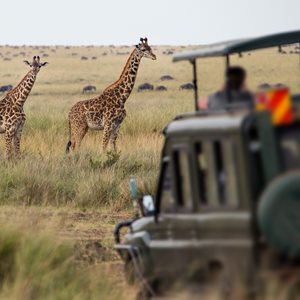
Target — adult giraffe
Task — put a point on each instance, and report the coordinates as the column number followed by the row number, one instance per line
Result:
column 12, row 116
column 106, row 112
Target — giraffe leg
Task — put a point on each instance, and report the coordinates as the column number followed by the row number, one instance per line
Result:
column 106, row 137
column 115, row 128
column 78, row 128
column 78, row 137
column 17, row 139
column 113, row 137
column 8, row 144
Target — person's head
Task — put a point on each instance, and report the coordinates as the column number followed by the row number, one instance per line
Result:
column 235, row 78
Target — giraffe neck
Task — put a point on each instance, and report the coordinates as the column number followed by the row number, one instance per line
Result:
column 20, row 93
column 124, row 85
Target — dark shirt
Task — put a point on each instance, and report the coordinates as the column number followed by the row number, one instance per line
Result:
column 225, row 99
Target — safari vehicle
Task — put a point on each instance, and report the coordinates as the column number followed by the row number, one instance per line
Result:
column 227, row 206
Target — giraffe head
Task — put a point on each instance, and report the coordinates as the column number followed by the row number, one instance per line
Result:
column 35, row 65
column 144, row 49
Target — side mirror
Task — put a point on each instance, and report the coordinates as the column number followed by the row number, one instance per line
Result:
column 147, row 206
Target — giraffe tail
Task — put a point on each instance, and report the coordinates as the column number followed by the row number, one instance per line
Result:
column 68, row 147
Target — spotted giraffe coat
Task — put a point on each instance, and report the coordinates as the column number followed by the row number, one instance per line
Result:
column 107, row 112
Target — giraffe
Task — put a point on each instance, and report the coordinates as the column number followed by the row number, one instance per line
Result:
column 106, row 112
column 12, row 116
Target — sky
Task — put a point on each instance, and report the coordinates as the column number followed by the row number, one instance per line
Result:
column 177, row 22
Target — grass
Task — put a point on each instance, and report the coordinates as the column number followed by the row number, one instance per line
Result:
column 46, row 176
column 81, row 196
column 88, row 179
column 35, row 266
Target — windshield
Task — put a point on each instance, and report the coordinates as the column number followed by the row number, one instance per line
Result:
column 267, row 68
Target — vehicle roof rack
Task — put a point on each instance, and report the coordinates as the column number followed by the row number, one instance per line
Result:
column 240, row 45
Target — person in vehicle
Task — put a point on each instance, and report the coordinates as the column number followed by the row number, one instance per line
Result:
column 233, row 93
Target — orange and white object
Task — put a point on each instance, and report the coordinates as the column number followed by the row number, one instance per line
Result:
column 278, row 101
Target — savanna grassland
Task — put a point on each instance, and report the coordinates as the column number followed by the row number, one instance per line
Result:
column 79, row 198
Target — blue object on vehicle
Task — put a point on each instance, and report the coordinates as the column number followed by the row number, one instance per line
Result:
column 133, row 188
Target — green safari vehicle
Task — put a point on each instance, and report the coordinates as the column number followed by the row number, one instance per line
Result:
column 227, row 207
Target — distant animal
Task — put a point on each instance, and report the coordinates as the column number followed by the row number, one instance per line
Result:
column 168, row 52
column 264, row 86
column 161, row 88
column 94, row 57
column 187, row 86
column 84, row 58
column 145, row 87
column 107, row 111
column 279, row 85
column 12, row 116
column 166, row 77
column 89, row 88
column 6, row 88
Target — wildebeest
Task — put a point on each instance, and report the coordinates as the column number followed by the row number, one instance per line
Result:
column 145, row 87
column 279, row 85
column 264, row 86
column 161, row 88
column 168, row 52
column 5, row 88
column 84, row 58
column 166, row 77
column 88, row 89
column 187, row 86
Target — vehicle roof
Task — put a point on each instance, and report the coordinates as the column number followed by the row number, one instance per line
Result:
column 241, row 45
column 189, row 124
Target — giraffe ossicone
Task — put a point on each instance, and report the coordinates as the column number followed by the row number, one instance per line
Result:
column 106, row 112
column 12, row 115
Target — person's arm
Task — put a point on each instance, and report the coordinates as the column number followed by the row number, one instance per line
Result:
column 203, row 103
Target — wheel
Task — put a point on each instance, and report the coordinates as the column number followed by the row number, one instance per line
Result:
column 143, row 294
column 279, row 214
column 129, row 272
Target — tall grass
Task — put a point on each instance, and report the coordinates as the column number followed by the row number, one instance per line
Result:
column 46, row 176
column 40, row 267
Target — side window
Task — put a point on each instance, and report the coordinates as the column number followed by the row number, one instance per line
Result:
column 202, row 172
column 182, row 179
column 230, row 172
column 217, row 178
column 167, row 203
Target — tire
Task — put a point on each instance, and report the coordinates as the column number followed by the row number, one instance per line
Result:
column 143, row 294
column 279, row 214
column 129, row 272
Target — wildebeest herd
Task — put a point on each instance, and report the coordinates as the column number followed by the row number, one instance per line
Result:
column 147, row 86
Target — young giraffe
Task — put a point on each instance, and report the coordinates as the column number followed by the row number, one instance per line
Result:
column 12, row 116
column 106, row 112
